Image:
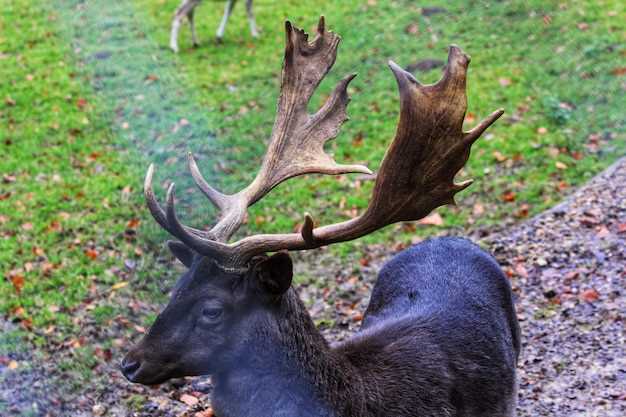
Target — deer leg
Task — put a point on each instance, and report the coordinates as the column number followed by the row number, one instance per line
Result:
column 186, row 7
column 227, row 11
column 192, row 26
column 251, row 20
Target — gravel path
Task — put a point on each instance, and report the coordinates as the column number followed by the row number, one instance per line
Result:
column 568, row 270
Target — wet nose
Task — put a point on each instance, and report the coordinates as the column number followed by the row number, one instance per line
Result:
column 129, row 368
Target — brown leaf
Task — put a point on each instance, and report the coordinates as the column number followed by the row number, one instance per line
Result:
column 619, row 71
column 54, row 226
column 560, row 165
column 433, row 219
column 81, row 103
column 91, row 254
column 508, row 196
column 577, row 155
column 132, row 223
column 27, row 226
column 521, row 271
column 499, row 157
column 523, row 211
column 190, row 400
column 8, row 178
column 478, row 210
column 590, row 295
column 412, row 29
column 17, row 280
column 603, row 232
column 357, row 140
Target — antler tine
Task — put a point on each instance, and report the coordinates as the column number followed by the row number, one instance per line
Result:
column 155, row 209
column 218, row 199
column 417, row 172
column 206, row 246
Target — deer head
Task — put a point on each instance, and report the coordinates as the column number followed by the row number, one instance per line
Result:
column 231, row 287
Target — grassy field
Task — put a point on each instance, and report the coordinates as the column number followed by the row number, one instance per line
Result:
column 73, row 231
column 552, row 66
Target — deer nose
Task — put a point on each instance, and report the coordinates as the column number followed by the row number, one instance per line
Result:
column 130, row 367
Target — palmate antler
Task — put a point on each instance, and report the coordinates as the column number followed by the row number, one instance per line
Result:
column 415, row 177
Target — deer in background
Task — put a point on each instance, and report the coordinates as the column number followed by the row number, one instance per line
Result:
column 186, row 9
column 439, row 337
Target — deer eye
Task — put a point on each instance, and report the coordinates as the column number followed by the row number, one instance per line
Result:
column 212, row 313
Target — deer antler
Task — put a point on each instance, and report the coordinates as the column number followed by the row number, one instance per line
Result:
column 415, row 177
column 297, row 143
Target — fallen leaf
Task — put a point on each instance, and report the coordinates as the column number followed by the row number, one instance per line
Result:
column 499, row 157
column 603, row 232
column 560, row 165
column 357, row 140
column 190, row 400
column 577, row 155
column 412, row 29
column 619, row 71
column 133, row 223
column 508, row 196
column 17, row 280
column 521, row 271
column 590, row 295
column 91, row 254
column 523, row 211
column 13, row 365
column 478, row 209
column 81, row 103
column 119, row 285
column 504, row 82
column 433, row 219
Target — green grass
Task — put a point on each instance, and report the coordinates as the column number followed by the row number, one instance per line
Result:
column 69, row 199
column 71, row 172
column 548, row 64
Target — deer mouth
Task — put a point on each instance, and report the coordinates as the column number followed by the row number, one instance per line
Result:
column 144, row 372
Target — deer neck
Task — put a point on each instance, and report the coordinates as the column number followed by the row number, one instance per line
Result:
column 290, row 365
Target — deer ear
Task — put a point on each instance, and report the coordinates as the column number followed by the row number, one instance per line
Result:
column 181, row 252
column 275, row 273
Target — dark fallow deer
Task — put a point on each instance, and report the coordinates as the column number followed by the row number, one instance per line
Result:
column 187, row 10
column 440, row 335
